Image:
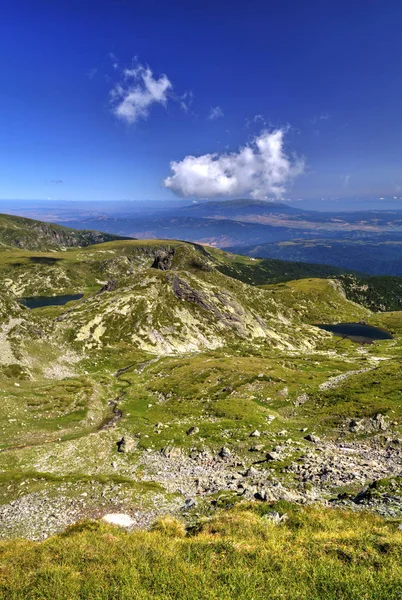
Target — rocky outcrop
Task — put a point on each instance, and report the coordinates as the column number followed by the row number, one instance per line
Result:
column 163, row 260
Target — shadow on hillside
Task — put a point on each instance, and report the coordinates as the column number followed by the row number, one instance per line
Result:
column 44, row 260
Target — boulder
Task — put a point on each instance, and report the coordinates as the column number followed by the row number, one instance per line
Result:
column 119, row 519
column 310, row 437
column 125, row 444
column 224, row 452
column 257, row 448
column 163, row 260
column 192, row 431
column 171, row 452
column 273, row 455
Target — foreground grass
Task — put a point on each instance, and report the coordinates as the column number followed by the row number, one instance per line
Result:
column 316, row 554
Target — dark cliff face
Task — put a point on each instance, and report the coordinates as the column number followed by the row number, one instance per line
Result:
column 28, row 234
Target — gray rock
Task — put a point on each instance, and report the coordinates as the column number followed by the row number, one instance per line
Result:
column 192, row 431
column 276, row 517
column 255, row 433
column 224, row 452
column 171, row 452
column 355, row 426
column 273, row 456
column 125, row 445
column 189, row 503
column 310, row 437
column 251, row 472
column 380, row 422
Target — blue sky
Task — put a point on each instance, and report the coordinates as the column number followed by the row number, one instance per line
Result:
column 266, row 99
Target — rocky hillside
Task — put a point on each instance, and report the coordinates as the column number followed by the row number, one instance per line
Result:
column 175, row 387
column 28, row 234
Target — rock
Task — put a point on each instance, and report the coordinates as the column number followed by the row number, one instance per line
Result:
column 224, row 452
column 159, row 425
column 119, row 519
column 163, row 260
column 283, row 393
column 263, row 495
column 124, row 445
column 273, row 456
column 189, row 503
column 300, row 400
column 380, row 422
column 121, row 445
column 276, row 518
column 355, row 426
column 171, row 452
column 255, row 433
column 192, row 431
column 270, row 418
column 110, row 286
column 310, row 437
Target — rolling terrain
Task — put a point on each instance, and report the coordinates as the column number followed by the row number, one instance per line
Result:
column 366, row 241
column 192, row 386
column 28, row 234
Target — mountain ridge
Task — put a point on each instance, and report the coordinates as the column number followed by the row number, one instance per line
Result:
column 30, row 234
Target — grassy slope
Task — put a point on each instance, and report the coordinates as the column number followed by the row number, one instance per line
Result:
column 227, row 392
column 317, row 553
column 29, row 234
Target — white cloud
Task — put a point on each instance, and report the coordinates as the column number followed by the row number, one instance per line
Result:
column 186, row 101
column 258, row 169
column 132, row 98
column 215, row 113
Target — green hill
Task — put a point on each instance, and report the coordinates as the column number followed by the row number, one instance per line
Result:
column 191, row 385
column 28, row 234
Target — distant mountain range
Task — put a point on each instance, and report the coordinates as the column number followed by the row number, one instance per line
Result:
column 366, row 241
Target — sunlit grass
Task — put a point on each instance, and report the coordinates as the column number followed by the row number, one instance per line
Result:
column 316, row 554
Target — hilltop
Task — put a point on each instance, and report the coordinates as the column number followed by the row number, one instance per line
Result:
column 29, row 234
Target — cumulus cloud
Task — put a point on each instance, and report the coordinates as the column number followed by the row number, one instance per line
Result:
column 132, row 97
column 259, row 169
column 215, row 113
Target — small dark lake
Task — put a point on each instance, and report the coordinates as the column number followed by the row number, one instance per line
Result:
column 358, row 332
column 40, row 301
